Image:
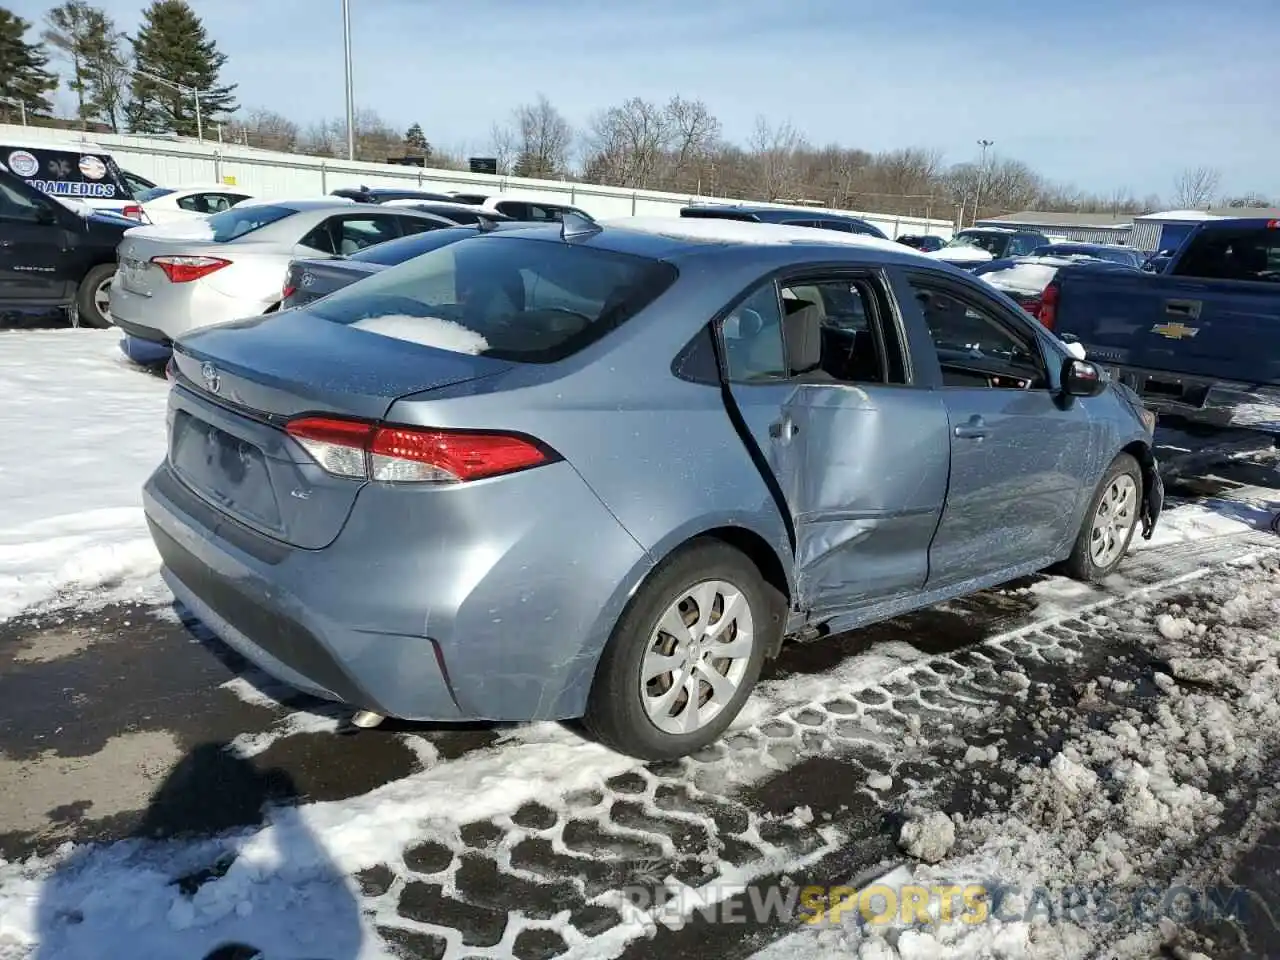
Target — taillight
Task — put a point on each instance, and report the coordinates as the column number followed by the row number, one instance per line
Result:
column 1032, row 305
column 133, row 212
column 404, row 454
column 1048, row 315
column 287, row 291
column 186, row 269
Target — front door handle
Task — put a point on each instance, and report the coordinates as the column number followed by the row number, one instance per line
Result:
column 975, row 429
column 783, row 429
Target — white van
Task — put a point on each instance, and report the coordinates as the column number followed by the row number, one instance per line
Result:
column 79, row 173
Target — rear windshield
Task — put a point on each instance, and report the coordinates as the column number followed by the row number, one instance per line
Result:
column 532, row 301
column 406, row 248
column 1233, row 253
column 68, row 173
column 153, row 193
column 238, row 221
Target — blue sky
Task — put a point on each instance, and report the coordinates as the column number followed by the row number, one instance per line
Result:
column 1099, row 93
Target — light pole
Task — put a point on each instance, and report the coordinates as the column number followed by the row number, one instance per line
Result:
column 19, row 104
column 351, row 101
column 982, row 174
column 195, row 95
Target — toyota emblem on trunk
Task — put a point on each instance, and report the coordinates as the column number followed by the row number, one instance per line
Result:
column 212, row 381
column 308, row 279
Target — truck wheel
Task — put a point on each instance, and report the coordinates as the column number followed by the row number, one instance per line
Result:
column 1109, row 523
column 685, row 654
column 93, row 296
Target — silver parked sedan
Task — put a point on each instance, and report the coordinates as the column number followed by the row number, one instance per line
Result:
column 178, row 277
column 605, row 470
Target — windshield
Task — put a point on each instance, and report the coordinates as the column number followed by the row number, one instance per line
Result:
column 533, row 301
column 152, row 193
column 240, row 220
column 993, row 243
column 406, row 248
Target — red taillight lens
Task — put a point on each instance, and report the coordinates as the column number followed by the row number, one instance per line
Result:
column 133, row 212
column 286, row 292
column 1048, row 315
column 1032, row 305
column 186, row 269
column 402, row 454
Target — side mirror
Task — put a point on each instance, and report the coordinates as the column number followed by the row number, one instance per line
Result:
column 1080, row 378
column 46, row 215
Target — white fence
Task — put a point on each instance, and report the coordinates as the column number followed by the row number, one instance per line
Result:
column 179, row 161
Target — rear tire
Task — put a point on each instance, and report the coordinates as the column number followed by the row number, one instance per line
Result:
column 1109, row 523
column 665, row 623
column 90, row 302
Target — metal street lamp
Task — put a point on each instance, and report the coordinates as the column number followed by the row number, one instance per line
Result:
column 181, row 88
column 351, row 102
column 982, row 174
column 19, row 104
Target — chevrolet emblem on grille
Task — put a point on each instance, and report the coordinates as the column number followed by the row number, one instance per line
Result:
column 212, row 381
column 1174, row 330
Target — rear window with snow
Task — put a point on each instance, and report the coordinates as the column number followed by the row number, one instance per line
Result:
column 238, row 221
column 531, row 301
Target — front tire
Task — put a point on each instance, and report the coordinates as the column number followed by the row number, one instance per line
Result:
column 92, row 296
column 685, row 654
column 1109, row 523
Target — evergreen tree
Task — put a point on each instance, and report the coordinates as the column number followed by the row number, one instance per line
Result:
column 172, row 43
column 415, row 142
column 24, row 74
column 67, row 31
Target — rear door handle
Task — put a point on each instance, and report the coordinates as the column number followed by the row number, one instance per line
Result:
column 783, row 429
column 1183, row 308
column 975, row 429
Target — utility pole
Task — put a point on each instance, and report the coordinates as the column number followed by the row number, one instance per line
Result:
column 982, row 176
column 351, row 100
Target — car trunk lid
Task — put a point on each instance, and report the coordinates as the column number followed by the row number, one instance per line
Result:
column 240, row 383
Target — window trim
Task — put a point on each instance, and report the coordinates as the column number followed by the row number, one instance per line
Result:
column 1005, row 318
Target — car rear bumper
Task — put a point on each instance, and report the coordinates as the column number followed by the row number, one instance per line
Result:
column 1209, row 400
column 498, row 613
column 177, row 309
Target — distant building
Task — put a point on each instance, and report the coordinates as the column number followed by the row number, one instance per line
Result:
column 1080, row 227
column 1167, row 230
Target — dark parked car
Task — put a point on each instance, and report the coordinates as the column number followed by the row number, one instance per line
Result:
column 975, row 245
column 926, row 243
column 462, row 213
column 363, row 194
column 603, row 471
column 53, row 259
column 521, row 208
column 790, row 216
column 313, row 278
column 1112, row 252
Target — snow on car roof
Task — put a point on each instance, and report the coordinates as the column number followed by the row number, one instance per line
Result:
column 995, row 230
column 748, row 232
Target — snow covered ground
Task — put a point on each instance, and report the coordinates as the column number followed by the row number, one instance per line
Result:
column 1103, row 734
column 80, row 430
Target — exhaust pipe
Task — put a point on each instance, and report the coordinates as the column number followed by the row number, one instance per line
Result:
column 366, row 719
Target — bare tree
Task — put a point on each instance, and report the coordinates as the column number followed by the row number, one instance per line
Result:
column 504, row 147
column 544, row 137
column 776, row 155
column 265, row 128
column 1195, row 187
column 695, row 134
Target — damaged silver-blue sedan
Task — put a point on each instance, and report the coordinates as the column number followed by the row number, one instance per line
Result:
column 604, row 470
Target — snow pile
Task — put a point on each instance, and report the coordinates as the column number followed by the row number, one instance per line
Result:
column 427, row 331
column 1031, row 275
column 1126, row 805
column 928, row 838
column 80, row 431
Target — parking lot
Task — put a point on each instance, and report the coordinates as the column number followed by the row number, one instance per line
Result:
column 162, row 795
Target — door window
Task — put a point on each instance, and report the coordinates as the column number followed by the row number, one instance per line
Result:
column 975, row 347
column 752, row 337
column 208, row 203
column 351, row 233
column 411, row 225
column 16, row 205
column 1022, row 246
column 819, row 330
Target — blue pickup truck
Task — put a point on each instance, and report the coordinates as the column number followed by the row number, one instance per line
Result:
column 1201, row 339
